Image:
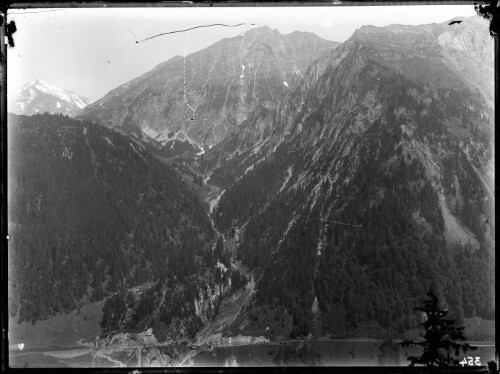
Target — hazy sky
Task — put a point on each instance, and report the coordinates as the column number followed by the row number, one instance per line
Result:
column 93, row 50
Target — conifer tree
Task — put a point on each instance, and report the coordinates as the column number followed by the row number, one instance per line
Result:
column 441, row 336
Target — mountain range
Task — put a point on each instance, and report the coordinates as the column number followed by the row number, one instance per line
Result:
column 202, row 97
column 39, row 97
column 381, row 161
column 343, row 180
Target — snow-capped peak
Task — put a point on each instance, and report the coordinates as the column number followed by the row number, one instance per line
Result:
column 38, row 96
column 69, row 96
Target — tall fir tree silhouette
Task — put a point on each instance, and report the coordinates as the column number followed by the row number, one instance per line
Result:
column 441, row 336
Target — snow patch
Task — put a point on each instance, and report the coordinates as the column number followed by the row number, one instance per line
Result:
column 201, row 152
column 78, row 100
column 69, row 96
column 63, row 98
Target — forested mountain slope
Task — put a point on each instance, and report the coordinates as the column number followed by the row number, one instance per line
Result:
column 346, row 192
column 92, row 213
column 375, row 183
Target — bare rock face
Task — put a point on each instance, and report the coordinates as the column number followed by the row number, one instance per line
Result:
column 40, row 97
column 440, row 56
column 454, row 56
column 202, row 97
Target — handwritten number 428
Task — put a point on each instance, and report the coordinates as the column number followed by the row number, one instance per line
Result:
column 471, row 361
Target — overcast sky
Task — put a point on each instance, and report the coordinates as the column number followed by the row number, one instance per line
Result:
column 93, row 50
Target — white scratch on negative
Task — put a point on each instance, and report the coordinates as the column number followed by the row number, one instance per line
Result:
column 185, row 97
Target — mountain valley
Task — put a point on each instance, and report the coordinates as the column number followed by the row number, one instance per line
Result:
column 268, row 188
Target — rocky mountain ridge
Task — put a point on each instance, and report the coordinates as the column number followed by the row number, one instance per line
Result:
column 365, row 153
column 416, row 52
column 39, row 97
column 202, row 97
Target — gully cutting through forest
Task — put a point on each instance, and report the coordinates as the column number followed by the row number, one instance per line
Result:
column 231, row 307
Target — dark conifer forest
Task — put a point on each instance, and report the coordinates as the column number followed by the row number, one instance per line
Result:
column 91, row 213
column 383, row 243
